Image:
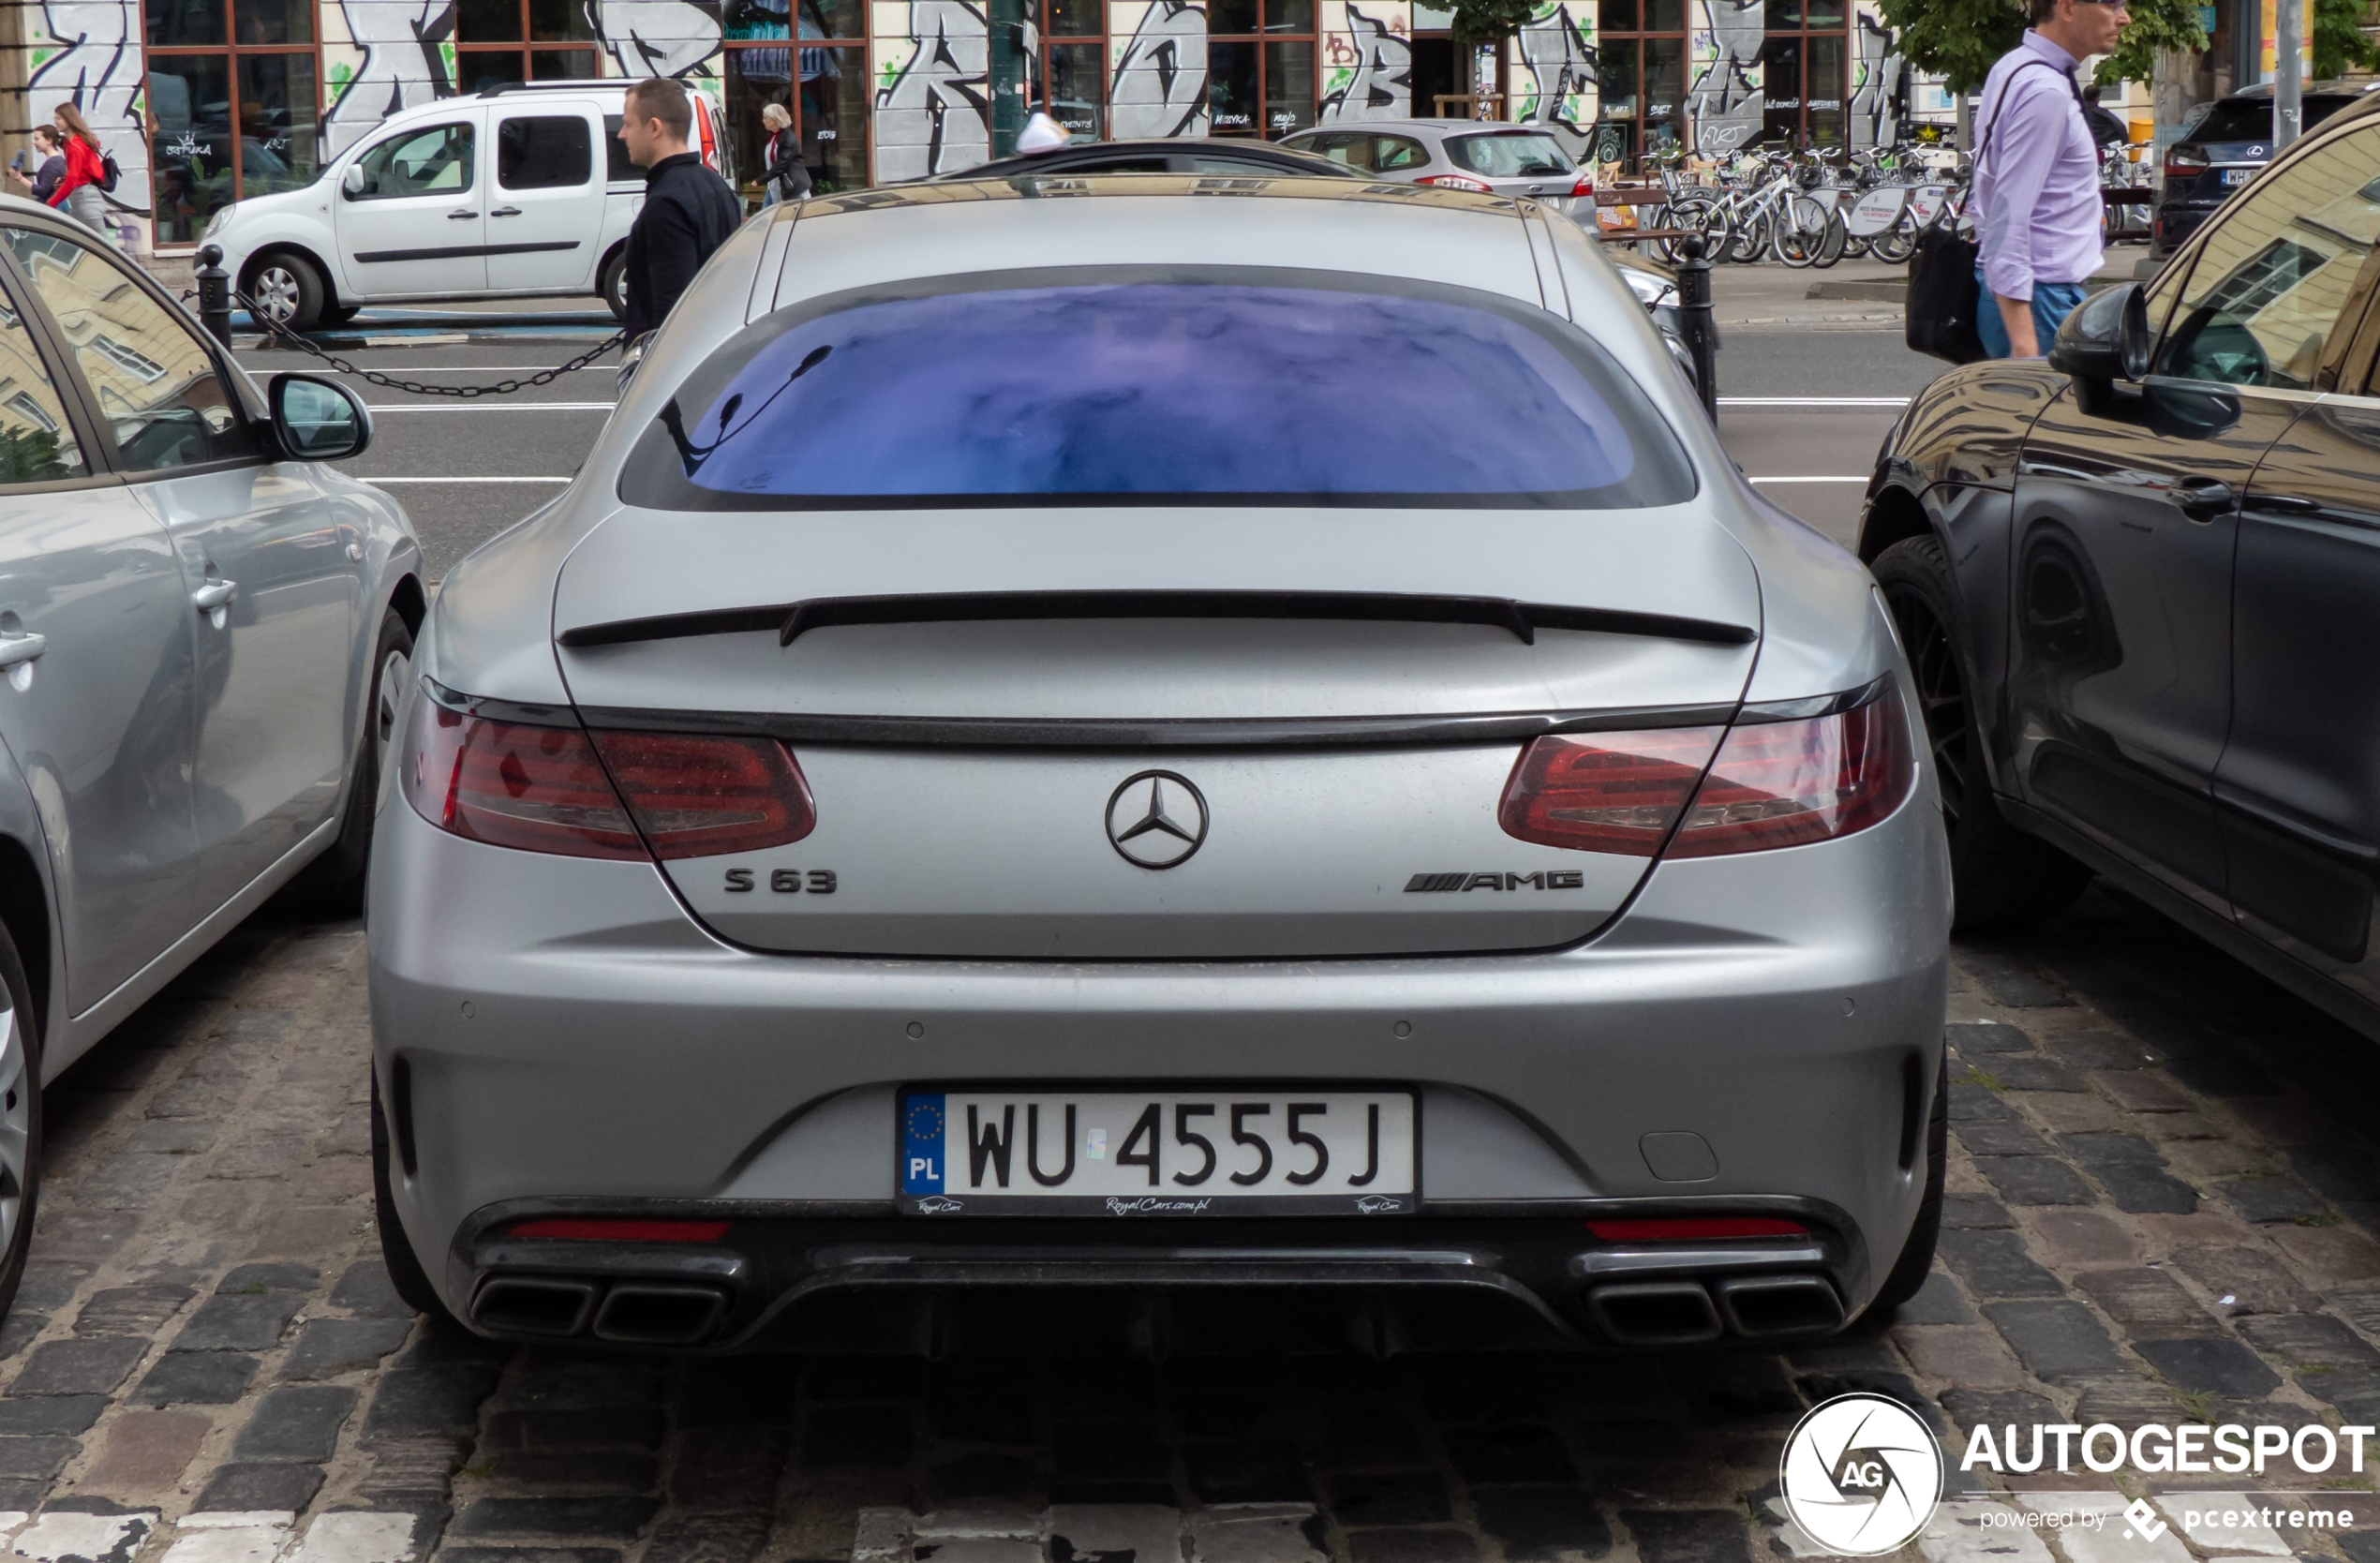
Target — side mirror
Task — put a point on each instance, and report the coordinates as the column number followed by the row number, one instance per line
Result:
column 317, row 420
column 351, row 182
column 2106, row 340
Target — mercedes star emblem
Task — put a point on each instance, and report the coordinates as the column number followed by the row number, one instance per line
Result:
column 1156, row 819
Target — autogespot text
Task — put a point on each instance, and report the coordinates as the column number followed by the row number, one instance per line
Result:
column 2229, row 1449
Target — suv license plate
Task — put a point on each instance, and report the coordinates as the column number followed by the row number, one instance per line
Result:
column 1265, row 1152
column 2237, row 176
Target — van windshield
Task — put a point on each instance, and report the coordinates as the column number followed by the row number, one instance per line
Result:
column 1146, row 392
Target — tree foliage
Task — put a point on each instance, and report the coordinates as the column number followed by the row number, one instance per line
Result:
column 1954, row 40
column 1480, row 22
column 2339, row 43
column 2156, row 27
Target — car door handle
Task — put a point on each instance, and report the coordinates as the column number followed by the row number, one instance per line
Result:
column 506, row 211
column 2282, row 504
column 2203, row 499
column 16, row 650
column 214, row 595
column 465, row 215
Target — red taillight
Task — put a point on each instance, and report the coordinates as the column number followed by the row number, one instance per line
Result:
column 1457, row 181
column 514, row 784
column 697, row 796
column 1773, row 784
column 1787, row 784
column 1691, row 1229
column 2181, row 159
column 540, row 788
column 1606, row 792
column 1584, row 184
column 612, row 1231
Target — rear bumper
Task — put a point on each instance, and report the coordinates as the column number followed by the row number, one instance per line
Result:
column 572, row 1040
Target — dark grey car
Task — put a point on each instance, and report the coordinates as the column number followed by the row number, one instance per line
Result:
column 2224, row 150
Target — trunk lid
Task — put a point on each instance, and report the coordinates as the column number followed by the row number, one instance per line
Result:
column 999, row 787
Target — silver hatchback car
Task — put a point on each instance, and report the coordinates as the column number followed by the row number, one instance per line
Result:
column 198, row 623
column 1086, row 798
column 1458, row 155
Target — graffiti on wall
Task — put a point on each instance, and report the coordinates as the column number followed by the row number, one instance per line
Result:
column 657, row 37
column 1369, row 65
column 1555, row 83
column 404, row 54
column 930, row 111
column 96, row 65
column 1159, row 86
column 1725, row 99
column 1876, row 84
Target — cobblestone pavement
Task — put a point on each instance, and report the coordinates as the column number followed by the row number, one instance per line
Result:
column 2165, row 1190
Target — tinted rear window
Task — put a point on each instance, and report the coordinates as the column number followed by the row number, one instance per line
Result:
column 2250, row 119
column 1507, row 155
column 1156, row 391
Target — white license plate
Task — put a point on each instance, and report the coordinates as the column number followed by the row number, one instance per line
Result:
column 1268, row 1152
column 2237, row 176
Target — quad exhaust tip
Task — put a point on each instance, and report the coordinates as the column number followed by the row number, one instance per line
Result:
column 1686, row 1313
column 631, row 1313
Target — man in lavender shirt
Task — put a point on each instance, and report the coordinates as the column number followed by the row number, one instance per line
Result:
column 2036, row 199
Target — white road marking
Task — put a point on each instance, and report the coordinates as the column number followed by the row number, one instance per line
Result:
column 99, row 1538
column 1813, row 401
column 478, row 480
column 1858, row 480
column 230, row 1537
column 357, row 1537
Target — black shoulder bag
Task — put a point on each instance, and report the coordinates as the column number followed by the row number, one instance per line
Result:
column 1944, row 296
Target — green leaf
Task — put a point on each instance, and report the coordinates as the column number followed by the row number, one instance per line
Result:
column 2156, row 25
column 1489, row 22
column 1956, row 39
column 2339, row 43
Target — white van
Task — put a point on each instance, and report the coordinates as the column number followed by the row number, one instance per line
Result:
column 513, row 192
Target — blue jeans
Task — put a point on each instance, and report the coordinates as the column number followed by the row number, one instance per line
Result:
column 2052, row 303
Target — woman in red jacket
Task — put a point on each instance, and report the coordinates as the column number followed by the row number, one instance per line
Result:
column 78, row 192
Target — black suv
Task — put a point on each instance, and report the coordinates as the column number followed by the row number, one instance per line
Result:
column 2224, row 150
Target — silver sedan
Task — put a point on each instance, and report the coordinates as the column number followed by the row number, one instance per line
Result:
column 202, row 631
column 1088, row 798
column 1486, row 155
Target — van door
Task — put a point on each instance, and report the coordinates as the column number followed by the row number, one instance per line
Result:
column 412, row 210
column 546, row 211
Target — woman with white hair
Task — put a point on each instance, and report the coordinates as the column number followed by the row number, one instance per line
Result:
column 788, row 176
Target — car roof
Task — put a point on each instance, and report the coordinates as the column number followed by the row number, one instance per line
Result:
column 1433, row 127
column 1168, row 220
column 1255, row 154
column 2310, row 89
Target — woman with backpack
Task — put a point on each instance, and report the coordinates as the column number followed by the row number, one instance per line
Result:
column 81, row 192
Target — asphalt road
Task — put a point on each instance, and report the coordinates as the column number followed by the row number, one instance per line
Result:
column 1807, row 390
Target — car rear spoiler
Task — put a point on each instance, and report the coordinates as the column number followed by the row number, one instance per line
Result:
column 792, row 620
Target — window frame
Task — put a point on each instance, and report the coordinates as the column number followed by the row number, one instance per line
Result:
column 598, row 157
column 1634, row 39
column 2348, row 351
column 232, row 52
column 524, row 48
column 468, row 125
column 108, row 465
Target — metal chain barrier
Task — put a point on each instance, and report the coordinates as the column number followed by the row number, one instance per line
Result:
column 461, row 392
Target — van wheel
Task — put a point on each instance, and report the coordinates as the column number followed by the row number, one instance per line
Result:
column 288, row 289
column 614, row 285
column 20, row 1121
column 2001, row 877
column 406, row 1275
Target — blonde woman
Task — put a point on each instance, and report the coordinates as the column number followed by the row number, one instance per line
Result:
column 788, row 178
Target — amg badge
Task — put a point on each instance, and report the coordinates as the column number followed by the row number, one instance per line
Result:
column 1544, row 879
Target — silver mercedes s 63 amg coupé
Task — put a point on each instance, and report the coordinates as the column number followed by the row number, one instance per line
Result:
column 1158, row 760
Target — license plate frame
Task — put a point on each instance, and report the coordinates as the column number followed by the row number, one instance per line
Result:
column 1390, row 1117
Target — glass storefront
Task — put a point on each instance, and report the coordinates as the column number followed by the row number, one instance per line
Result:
column 234, row 100
column 1805, row 77
column 1640, row 78
column 540, row 36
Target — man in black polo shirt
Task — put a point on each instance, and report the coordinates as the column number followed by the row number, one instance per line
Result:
column 689, row 210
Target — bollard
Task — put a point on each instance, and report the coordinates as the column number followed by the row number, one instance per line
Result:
column 215, row 294
column 1694, row 320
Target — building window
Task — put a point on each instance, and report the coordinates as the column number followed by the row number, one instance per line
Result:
column 1804, row 72
column 1640, row 78
column 522, row 40
column 232, row 104
column 819, row 77
column 1259, row 66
